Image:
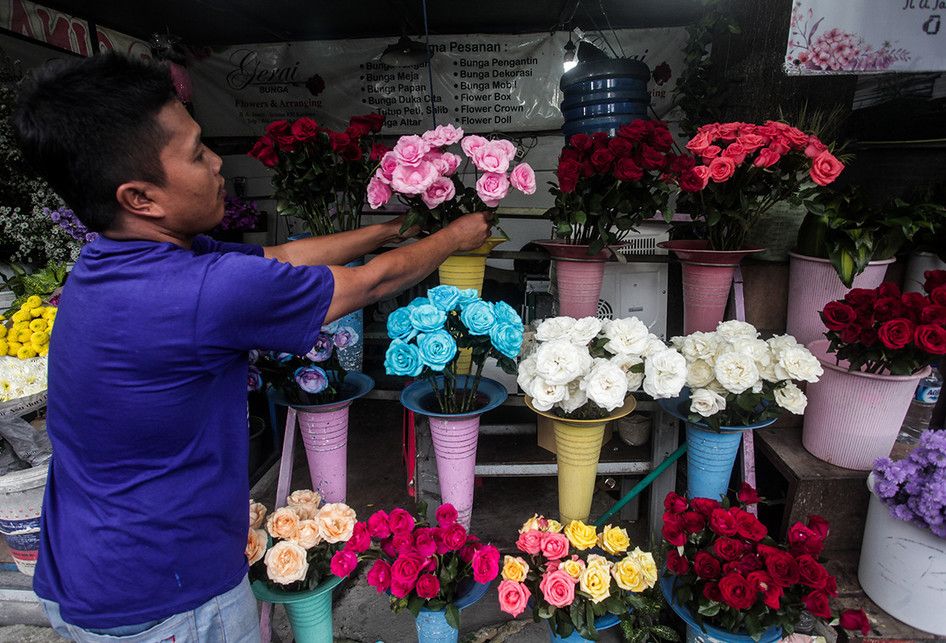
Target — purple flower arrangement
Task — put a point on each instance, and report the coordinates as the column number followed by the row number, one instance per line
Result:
column 239, row 215
column 914, row 489
column 66, row 219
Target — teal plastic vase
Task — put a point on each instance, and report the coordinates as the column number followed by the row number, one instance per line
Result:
column 310, row 613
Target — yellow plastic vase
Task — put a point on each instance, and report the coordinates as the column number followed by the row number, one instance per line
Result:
column 578, row 446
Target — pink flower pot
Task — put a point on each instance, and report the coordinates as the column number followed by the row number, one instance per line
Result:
column 325, row 436
column 578, row 277
column 455, row 447
column 707, row 279
column 853, row 418
column 812, row 283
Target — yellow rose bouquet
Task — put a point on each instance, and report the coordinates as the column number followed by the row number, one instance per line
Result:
column 583, row 580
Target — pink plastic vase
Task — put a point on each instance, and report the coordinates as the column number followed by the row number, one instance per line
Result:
column 854, row 418
column 812, row 283
column 325, row 436
column 455, row 447
column 579, row 287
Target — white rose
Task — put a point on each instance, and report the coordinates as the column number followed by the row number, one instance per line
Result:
column 800, row 364
column 781, row 342
column 575, row 397
column 734, row 331
column 526, row 373
column 758, row 349
column 544, row 395
column 791, row 398
column 558, row 362
column 626, row 363
column 286, row 563
column 736, row 371
column 699, row 374
column 706, row 402
column 716, row 387
column 698, row 345
column 584, row 330
column 606, row 386
column 255, row 545
column 554, row 328
column 626, row 336
column 665, row 374
column 654, row 345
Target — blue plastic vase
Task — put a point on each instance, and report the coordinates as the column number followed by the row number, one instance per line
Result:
column 601, row 623
column 432, row 626
column 706, row 633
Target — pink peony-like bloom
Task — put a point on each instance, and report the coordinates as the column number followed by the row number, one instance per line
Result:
column 492, row 187
column 410, row 150
column 401, row 521
column 379, row 576
column 485, row 564
column 721, row 168
column 454, row 537
column 523, row 178
column 424, row 542
column 491, row 158
column 472, row 143
column 387, row 166
column 443, row 135
column 513, row 597
column 428, row 586
column 378, row 193
column 530, row 542
column 343, row 563
column 446, row 515
column 414, row 180
column 554, row 546
column 558, row 589
column 442, row 189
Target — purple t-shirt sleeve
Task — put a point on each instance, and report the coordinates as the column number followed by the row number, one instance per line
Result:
column 202, row 244
column 250, row 303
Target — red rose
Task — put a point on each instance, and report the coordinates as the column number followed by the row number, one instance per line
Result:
column 764, row 551
column 693, row 522
column 587, row 169
column 401, row 521
column 279, row 128
column 485, row 564
column 860, row 297
column 837, row 315
column 360, row 539
column 679, row 164
column 675, row 503
column 304, row 128
column 581, row 142
column 339, row 141
column 601, row 160
column 931, row 338
column 831, row 586
column 287, row 142
column 749, row 527
column 676, row 563
column 804, row 540
column 749, row 563
column 933, row 314
column 424, row 542
column 868, row 337
column 728, row 131
column 888, row 289
column 855, row 620
column 633, row 131
column 818, row 525
column 896, row 333
column 352, row 152
column 651, row 158
column 673, row 529
column 568, row 171
column 851, row 334
column 692, row 180
column 704, row 506
column 570, row 154
column 706, row 566
column 721, row 169
column 811, row 572
column 372, row 122
column 783, row 568
column 627, row 170
column 825, row 168
column 710, row 153
column 620, row 147
column 737, row 592
column 357, row 130
column 887, row 308
column 934, row 279
column 723, row 523
column 818, row 603
column 729, row 548
column 914, row 301
column 747, row 495
column 772, row 593
column 751, row 142
column 600, row 140
column 378, row 150
column 938, row 295
column 265, row 152
column 660, row 136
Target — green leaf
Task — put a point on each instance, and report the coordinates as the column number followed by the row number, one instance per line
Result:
column 453, row 616
column 664, row 632
column 580, row 216
column 710, row 609
column 414, row 605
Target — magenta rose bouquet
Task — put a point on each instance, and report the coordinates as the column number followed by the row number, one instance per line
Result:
column 423, row 174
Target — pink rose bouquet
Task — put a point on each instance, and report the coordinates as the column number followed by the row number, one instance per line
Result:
column 418, row 564
column 747, row 168
column 423, row 174
column 573, row 576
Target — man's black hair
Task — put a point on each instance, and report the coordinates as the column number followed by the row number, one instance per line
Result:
column 90, row 125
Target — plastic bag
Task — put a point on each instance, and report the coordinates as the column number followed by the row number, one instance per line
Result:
column 28, row 443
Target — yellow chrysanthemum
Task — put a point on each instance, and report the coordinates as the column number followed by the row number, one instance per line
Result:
column 39, row 339
column 33, row 301
column 24, row 335
column 20, row 315
column 36, row 312
column 3, row 331
column 3, row 347
column 38, row 325
column 13, row 347
column 26, row 352
column 43, row 351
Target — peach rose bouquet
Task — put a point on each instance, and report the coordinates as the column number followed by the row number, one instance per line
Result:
column 296, row 547
column 581, row 579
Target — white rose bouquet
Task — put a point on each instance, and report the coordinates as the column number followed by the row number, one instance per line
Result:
column 736, row 379
column 298, row 546
column 585, row 368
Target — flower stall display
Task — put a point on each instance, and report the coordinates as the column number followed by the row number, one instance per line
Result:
column 735, row 382
column 426, row 337
column 432, row 571
column 320, row 174
column 727, row 577
column 606, row 186
column 424, row 175
column 879, row 344
column 905, row 535
column 582, row 581
column 746, row 169
column 579, row 375
column 294, row 554
column 318, row 391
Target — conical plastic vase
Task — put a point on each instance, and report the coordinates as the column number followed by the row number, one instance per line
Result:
column 707, row 279
column 578, row 448
column 310, row 613
column 578, row 277
column 812, row 283
column 705, row 633
column 455, row 436
column 854, row 418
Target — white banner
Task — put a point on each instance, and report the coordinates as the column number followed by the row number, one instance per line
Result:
column 866, row 36
column 482, row 83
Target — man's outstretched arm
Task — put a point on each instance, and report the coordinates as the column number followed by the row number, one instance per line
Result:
column 336, row 249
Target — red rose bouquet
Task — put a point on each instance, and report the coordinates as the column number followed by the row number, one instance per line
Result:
column 320, row 175
column 746, row 169
column 608, row 184
column 417, row 564
column 885, row 331
column 730, row 573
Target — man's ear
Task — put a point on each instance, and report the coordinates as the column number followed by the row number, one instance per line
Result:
column 136, row 197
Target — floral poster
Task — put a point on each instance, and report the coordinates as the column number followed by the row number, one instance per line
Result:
column 866, row 36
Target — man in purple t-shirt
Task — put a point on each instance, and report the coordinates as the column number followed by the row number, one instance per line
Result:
column 144, row 517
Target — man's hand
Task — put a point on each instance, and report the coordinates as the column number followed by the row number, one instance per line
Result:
column 395, row 226
column 471, row 230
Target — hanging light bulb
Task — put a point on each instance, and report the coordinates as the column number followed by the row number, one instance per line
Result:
column 571, row 57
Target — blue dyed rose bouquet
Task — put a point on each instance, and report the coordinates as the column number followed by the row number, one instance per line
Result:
column 313, row 378
column 428, row 334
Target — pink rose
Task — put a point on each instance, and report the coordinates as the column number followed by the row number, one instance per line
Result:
column 554, row 546
column 796, row 137
column 443, row 135
column 445, row 162
column 814, row 147
column 410, row 150
column 530, row 542
column 825, row 168
column 430, row 565
column 721, row 168
column 378, row 525
column 736, row 152
column 558, row 589
column 388, row 547
column 424, row 543
column 447, row 515
column 360, row 539
column 710, row 153
column 404, row 574
column 491, row 157
column 700, row 142
column 523, row 178
column 403, row 542
column 343, row 563
column 485, row 564
column 728, row 131
column 379, row 576
column 470, row 548
column 442, row 189
column 492, row 188
column 472, row 143
column 508, row 146
column 751, row 142
column 702, row 172
column 386, row 169
column 409, row 179
column 767, row 157
column 378, row 193
column 768, row 130
column 428, row 586
column 513, row 597
column 454, row 537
